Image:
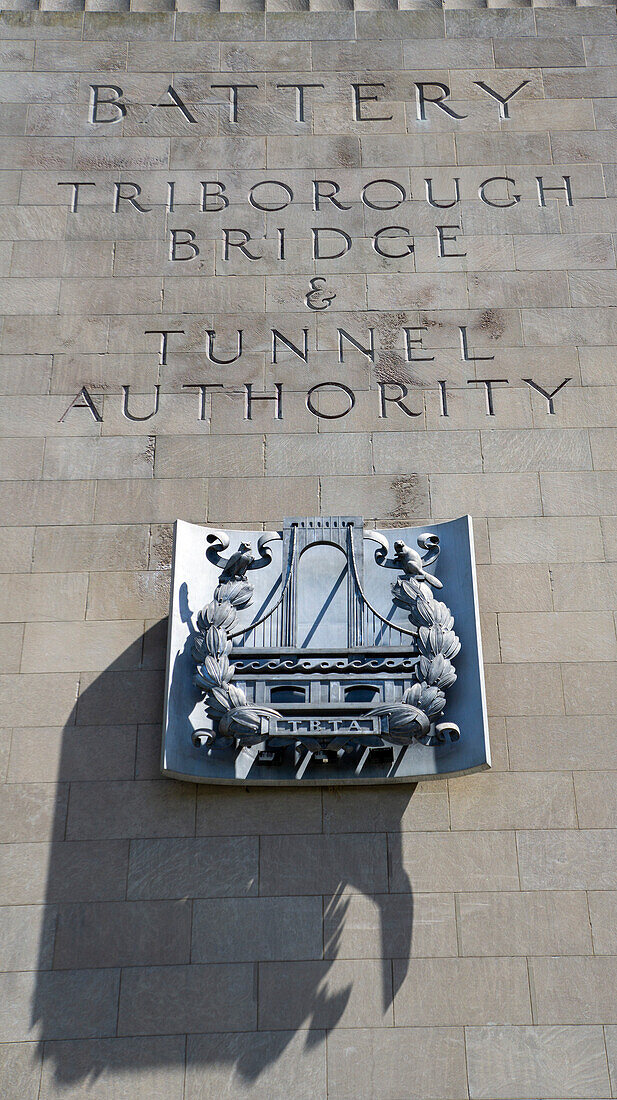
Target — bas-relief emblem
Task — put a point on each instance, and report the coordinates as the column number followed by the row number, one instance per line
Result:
column 323, row 653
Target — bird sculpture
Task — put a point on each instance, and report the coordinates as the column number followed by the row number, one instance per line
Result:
column 238, row 563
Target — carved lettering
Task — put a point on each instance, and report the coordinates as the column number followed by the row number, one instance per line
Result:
column 491, row 202
column 384, row 400
column 359, row 98
column 75, row 193
column 176, row 102
column 211, row 334
column 488, row 384
column 318, row 254
column 444, row 238
column 83, row 400
column 409, row 340
column 465, row 353
column 176, row 243
column 442, row 205
column 502, row 100
column 206, row 206
column 125, row 405
column 391, row 232
column 302, row 354
column 549, row 396
column 422, row 99
column 300, row 89
column 233, row 90
column 164, row 333
column 329, row 386
column 565, row 187
column 121, row 196
column 115, row 102
column 250, row 397
column 369, row 351
column 271, row 206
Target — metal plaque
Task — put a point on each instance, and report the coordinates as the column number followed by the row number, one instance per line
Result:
column 326, row 652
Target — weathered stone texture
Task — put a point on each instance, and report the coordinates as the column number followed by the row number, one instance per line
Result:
column 455, row 941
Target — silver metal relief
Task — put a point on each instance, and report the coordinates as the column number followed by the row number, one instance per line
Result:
column 325, row 655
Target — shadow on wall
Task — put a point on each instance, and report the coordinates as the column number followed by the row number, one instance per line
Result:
column 251, row 921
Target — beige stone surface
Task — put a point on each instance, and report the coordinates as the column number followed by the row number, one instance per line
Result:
column 449, row 941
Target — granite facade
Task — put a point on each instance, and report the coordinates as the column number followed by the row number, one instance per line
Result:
column 454, row 940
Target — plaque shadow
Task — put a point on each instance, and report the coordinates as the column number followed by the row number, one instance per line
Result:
column 95, row 938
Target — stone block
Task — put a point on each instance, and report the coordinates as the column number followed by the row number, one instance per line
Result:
column 138, row 594
column 78, row 872
column 407, row 808
column 67, row 459
column 541, row 52
column 16, row 545
column 488, row 494
column 454, row 861
column 21, row 458
column 102, row 547
column 74, row 1004
column 107, row 810
column 420, row 1063
column 292, row 26
column 26, row 937
column 510, row 801
column 509, row 588
column 571, row 990
column 567, row 860
column 602, row 916
column 122, row 933
column 234, row 500
column 318, row 454
column 514, row 1063
column 596, row 800
column 461, row 991
column 324, row 994
column 88, row 646
column 524, row 689
column 200, row 868
column 526, row 923
column 253, row 929
column 116, row 698
column 190, row 456
column 26, row 698
column 20, row 1070
column 124, row 26
column 188, row 998
column 545, row 539
column 32, row 502
column 33, row 812
column 359, row 926
column 138, row 1068
column 262, row 1065
column 552, row 636
column 549, row 449
column 142, row 500
column 427, row 452
column 542, row 744
column 398, row 499
column 318, row 864
column 11, row 640
column 252, row 811
column 48, row 755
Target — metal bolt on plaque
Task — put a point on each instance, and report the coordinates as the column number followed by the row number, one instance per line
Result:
column 326, row 652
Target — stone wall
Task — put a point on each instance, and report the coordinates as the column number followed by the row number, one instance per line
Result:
column 449, row 941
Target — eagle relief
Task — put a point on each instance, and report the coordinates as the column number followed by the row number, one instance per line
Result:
column 323, row 653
